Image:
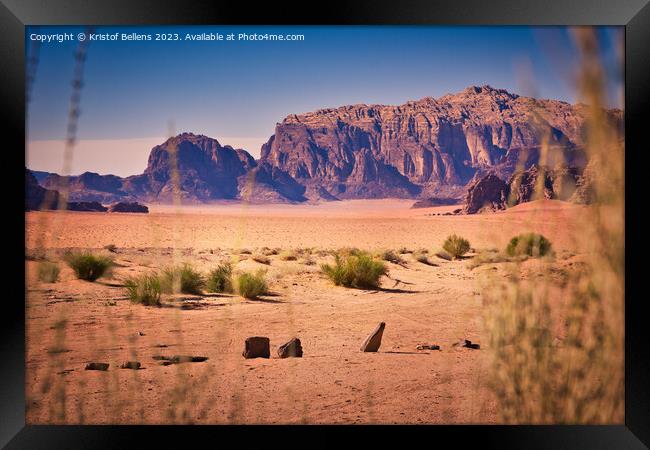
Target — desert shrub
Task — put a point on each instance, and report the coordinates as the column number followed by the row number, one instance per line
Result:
column 456, row 246
column 262, row 259
column 308, row 261
column 87, row 266
column 288, row 256
column 48, row 272
column 530, row 244
column 245, row 251
column 144, row 290
column 183, row 279
column 355, row 271
column 305, row 251
column 220, row 279
column 422, row 250
column 266, row 251
column 444, row 255
column 252, row 285
column 404, row 251
column 422, row 258
column 390, row 256
column 490, row 256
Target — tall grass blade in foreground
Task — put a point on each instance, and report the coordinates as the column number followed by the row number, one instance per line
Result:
column 87, row 266
column 557, row 351
column 359, row 270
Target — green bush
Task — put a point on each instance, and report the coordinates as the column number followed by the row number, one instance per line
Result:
column 531, row 244
column 356, row 271
column 48, row 272
column 220, row 279
column 144, row 290
column 252, row 285
column 183, row 279
column 456, row 246
column 87, row 266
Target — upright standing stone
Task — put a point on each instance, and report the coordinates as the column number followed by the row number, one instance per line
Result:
column 372, row 342
column 257, row 347
column 292, row 349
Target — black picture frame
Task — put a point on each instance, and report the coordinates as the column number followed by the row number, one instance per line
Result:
column 633, row 14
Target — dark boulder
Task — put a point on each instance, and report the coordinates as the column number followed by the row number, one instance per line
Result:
column 292, row 349
column 97, row 366
column 128, row 207
column 134, row 365
column 257, row 347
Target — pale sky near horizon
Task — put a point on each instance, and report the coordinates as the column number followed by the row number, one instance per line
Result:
column 237, row 91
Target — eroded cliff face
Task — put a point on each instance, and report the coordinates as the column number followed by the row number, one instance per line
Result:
column 425, row 146
column 430, row 148
column 206, row 169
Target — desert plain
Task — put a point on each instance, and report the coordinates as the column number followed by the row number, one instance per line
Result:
column 73, row 322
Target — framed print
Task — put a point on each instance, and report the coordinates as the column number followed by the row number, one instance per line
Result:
column 408, row 216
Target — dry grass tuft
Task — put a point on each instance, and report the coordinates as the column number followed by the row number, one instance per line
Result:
column 391, row 256
column 252, row 285
column 183, row 279
column 88, row 266
column 529, row 244
column 48, row 272
column 423, row 258
column 359, row 270
column 144, row 290
column 288, row 255
column 220, row 279
column 456, row 246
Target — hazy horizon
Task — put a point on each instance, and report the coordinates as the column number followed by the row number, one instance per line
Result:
column 135, row 94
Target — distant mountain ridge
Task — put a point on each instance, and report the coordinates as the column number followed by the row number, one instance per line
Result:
column 421, row 149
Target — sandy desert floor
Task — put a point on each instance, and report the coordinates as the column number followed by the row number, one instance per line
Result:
column 72, row 322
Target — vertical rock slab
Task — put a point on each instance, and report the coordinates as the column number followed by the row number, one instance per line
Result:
column 373, row 341
column 291, row 349
column 257, row 347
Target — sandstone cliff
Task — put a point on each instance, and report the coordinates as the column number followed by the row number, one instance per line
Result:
column 429, row 148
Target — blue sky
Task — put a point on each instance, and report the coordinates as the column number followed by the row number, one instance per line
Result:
column 237, row 91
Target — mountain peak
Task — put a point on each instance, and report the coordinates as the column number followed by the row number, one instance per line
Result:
column 487, row 90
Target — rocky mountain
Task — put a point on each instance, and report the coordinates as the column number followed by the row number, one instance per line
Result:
column 430, row 148
column 491, row 193
column 206, row 171
column 36, row 196
column 87, row 187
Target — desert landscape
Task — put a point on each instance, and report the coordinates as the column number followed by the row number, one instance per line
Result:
column 73, row 322
column 456, row 259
